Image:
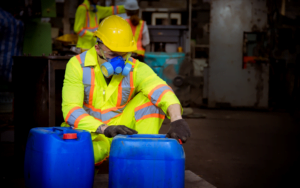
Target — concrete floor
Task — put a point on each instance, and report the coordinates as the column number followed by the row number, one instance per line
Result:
column 227, row 149
column 244, row 149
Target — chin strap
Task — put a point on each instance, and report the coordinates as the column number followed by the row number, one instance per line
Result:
column 103, row 56
column 127, row 56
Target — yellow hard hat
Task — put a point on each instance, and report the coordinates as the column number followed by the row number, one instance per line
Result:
column 115, row 33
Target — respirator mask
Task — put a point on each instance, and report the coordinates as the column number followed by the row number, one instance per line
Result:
column 116, row 65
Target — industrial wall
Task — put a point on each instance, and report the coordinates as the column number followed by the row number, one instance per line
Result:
column 228, row 83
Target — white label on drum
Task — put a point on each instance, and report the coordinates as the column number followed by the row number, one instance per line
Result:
column 172, row 61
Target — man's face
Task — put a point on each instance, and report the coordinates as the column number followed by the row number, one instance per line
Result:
column 107, row 52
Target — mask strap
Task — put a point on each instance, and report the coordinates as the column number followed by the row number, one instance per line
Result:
column 127, row 57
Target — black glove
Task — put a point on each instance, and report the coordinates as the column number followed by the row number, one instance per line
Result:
column 113, row 130
column 179, row 130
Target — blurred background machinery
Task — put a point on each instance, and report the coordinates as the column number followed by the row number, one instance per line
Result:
column 37, row 34
column 37, row 95
column 216, row 54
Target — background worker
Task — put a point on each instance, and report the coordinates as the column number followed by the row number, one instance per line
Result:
column 107, row 102
column 139, row 28
column 87, row 19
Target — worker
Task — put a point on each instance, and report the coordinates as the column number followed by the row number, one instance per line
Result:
column 107, row 92
column 139, row 28
column 87, row 19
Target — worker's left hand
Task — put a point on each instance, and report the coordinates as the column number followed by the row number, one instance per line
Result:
column 179, row 130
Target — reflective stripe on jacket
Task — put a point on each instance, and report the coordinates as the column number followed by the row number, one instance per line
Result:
column 87, row 21
column 89, row 102
column 138, row 35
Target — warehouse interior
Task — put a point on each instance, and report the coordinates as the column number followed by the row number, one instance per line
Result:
column 234, row 66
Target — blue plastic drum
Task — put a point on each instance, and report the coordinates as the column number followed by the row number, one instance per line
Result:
column 58, row 157
column 146, row 161
column 165, row 65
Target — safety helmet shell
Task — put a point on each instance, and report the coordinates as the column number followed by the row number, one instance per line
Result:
column 115, row 33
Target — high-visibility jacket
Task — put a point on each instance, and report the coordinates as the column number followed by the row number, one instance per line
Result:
column 88, row 102
column 138, row 35
column 86, row 22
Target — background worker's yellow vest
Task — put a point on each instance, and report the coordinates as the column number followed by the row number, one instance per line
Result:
column 138, row 35
column 87, row 22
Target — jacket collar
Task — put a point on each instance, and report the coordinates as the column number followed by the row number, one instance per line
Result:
column 91, row 58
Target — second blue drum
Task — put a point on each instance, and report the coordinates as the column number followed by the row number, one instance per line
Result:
column 146, row 161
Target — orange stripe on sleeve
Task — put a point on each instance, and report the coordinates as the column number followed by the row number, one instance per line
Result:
column 99, row 163
column 161, row 95
column 70, row 112
column 92, row 86
column 112, row 9
column 103, row 111
column 152, row 116
column 107, row 121
column 97, row 118
column 151, row 92
column 80, row 31
column 117, row 9
column 78, row 120
column 143, row 106
column 109, row 109
column 84, row 33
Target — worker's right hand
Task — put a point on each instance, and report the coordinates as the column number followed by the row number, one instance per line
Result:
column 179, row 130
column 113, row 130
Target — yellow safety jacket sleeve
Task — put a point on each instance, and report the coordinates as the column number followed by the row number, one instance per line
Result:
column 153, row 87
column 80, row 21
column 107, row 11
column 73, row 97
